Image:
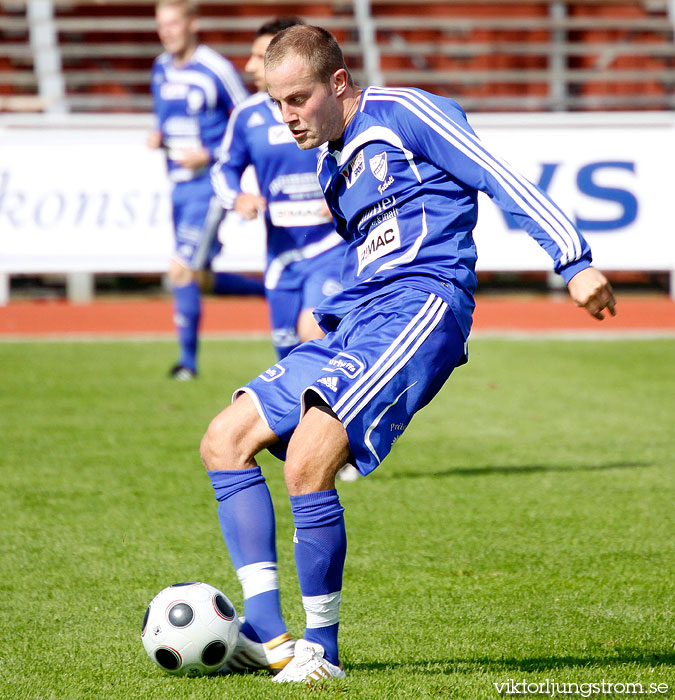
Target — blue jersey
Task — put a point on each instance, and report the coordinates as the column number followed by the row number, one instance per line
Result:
column 402, row 183
column 299, row 226
column 192, row 104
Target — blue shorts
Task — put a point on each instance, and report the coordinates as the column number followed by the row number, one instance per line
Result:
column 197, row 216
column 383, row 363
column 309, row 283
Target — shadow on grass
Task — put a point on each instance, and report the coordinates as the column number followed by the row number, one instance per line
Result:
column 525, row 469
column 448, row 666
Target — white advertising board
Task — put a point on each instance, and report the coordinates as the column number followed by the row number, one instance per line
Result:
column 84, row 198
column 86, row 195
column 609, row 173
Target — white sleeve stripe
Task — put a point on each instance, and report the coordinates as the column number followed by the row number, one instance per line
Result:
column 555, row 213
column 220, row 186
column 321, row 159
column 551, row 220
column 522, row 193
column 225, row 71
column 228, row 135
column 559, row 223
column 225, row 193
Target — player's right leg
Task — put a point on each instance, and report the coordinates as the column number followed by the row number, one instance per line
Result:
column 246, row 518
column 320, row 540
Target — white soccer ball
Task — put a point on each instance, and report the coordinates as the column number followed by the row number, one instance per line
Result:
column 190, row 629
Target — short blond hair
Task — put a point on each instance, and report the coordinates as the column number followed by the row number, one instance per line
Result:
column 189, row 7
column 315, row 45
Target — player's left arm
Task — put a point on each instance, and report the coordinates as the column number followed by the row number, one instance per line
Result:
column 234, row 158
column 441, row 133
column 231, row 92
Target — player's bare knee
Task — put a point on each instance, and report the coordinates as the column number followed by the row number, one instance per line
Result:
column 298, row 477
column 234, row 437
column 312, row 466
column 225, row 444
column 179, row 275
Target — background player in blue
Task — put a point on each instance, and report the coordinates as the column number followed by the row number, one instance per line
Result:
column 194, row 90
column 401, row 171
column 304, row 253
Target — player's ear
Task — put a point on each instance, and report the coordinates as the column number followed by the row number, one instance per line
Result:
column 340, row 81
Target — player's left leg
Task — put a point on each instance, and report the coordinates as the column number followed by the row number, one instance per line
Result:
column 284, row 307
column 322, row 281
column 390, row 358
column 186, row 317
column 197, row 218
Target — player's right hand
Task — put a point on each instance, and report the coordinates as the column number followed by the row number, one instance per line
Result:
column 154, row 139
column 248, row 205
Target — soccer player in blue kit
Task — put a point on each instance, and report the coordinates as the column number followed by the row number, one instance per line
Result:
column 304, row 252
column 401, row 170
column 194, row 90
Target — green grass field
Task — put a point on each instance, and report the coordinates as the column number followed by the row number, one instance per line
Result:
column 523, row 528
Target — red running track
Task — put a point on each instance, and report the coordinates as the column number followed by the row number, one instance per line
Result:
column 232, row 315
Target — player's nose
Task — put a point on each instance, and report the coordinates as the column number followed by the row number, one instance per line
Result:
column 287, row 113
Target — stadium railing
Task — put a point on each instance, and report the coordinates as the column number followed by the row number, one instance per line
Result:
column 492, row 55
column 501, row 55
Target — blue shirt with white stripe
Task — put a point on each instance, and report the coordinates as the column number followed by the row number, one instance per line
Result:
column 192, row 104
column 298, row 223
column 402, row 183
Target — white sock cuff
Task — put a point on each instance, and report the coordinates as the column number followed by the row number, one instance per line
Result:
column 322, row 610
column 258, row 578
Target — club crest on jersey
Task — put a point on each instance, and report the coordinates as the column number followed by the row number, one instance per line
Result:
column 354, row 170
column 378, row 165
column 274, row 372
column 382, row 240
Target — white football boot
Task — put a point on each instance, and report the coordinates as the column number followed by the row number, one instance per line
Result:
column 308, row 665
column 255, row 656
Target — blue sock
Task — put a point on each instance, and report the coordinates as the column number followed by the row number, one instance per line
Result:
column 187, row 312
column 227, row 283
column 246, row 518
column 320, row 549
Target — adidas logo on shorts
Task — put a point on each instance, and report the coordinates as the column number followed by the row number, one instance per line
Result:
column 330, row 382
